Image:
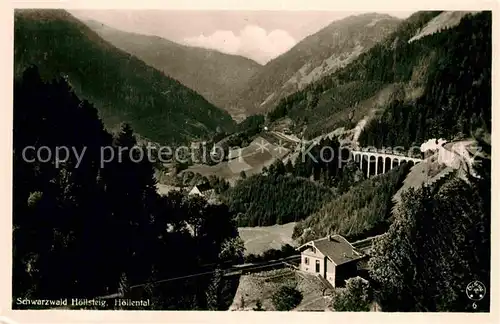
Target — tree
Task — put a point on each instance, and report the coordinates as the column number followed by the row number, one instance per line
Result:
column 438, row 243
column 125, row 137
column 297, row 231
column 355, row 297
column 232, row 250
column 279, row 168
column 243, row 175
column 286, row 298
column 300, row 168
column 258, row 306
column 351, row 174
column 242, row 302
column 312, row 101
column 123, row 286
column 107, row 227
column 214, row 291
column 152, row 292
column 289, row 166
column 34, row 199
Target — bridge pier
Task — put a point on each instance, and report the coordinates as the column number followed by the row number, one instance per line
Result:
column 368, row 162
column 387, row 164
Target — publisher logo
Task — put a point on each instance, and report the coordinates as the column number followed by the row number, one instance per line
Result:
column 475, row 290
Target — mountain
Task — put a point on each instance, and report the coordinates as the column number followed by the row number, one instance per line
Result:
column 122, row 87
column 216, row 76
column 455, row 99
column 315, row 56
column 405, row 90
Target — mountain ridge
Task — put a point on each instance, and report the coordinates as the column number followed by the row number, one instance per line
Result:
column 316, row 55
column 122, row 87
column 215, row 75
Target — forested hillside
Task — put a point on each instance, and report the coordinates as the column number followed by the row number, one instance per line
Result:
column 289, row 192
column 82, row 229
column 338, row 100
column 275, row 198
column 123, row 88
column 439, row 242
column 437, row 86
column 364, row 210
column 216, row 76
column 457, row 95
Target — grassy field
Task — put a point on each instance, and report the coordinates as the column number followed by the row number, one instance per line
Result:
column 165, row 189
column 260, row 239
column 262, row 285
column 420, row 174
column 259, row 154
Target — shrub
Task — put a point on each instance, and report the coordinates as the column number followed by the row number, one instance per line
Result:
column 286, row 298
column 356, row 297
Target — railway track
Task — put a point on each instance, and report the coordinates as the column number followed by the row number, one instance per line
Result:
column 238, row 269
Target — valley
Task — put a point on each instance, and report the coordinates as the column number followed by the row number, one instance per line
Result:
column 349, row 173
column 260, row 239
column 215, row 76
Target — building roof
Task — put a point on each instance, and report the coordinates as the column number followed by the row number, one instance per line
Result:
column 336, row 248
column 195, row 191
column 200, row 188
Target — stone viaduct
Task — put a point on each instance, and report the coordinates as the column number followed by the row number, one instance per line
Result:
column 380, row 162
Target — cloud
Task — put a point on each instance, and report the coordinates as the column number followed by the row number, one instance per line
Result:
column 253, row 42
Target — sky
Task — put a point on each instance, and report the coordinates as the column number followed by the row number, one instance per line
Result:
column 258, row 35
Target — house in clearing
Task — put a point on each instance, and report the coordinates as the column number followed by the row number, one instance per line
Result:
column 333, row 258
column 204, row 190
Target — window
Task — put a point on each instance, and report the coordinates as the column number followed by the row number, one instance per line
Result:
column 317, row 265
column 306, row 260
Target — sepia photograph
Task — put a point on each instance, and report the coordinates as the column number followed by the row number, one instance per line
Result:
column 251, row 160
